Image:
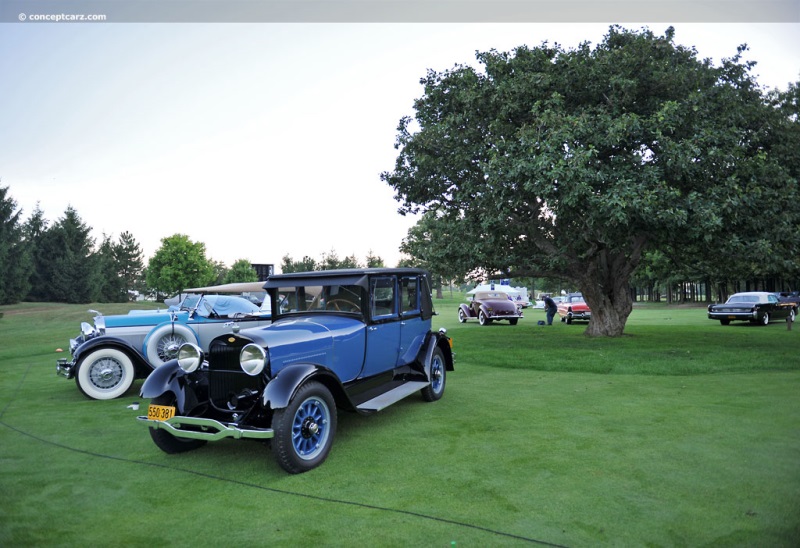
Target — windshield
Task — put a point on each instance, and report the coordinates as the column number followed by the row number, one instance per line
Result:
column 190, row 302
column 320, row 298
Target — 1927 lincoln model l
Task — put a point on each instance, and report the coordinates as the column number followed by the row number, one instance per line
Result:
column 358, row 340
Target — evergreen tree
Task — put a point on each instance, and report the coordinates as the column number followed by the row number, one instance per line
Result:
column 130, row 264
column 33, row 231
column 374, row 261
column 68, row 261
column 15, row 263
column 111, row 286
column 306, row 264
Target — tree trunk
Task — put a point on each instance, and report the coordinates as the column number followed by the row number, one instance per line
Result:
column 610, row 310
column 605, row 285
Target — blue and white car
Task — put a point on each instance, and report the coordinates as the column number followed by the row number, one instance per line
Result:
column 109, row 355
column 358, row 340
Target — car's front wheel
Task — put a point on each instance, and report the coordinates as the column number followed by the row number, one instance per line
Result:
column 104, row 374
column 725, row 322
column 304, row 430
column 435, row 389
column 461, row 316
column 166, row 441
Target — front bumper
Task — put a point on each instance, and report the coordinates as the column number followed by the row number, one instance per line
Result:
column 206, row 429
column 65, row 368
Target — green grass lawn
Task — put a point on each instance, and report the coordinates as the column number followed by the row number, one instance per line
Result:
column 681, row 433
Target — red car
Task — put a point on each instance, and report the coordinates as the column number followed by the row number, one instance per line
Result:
column 573, row 307
column 488, row 306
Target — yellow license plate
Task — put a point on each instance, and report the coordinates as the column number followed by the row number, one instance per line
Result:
column 160, row 412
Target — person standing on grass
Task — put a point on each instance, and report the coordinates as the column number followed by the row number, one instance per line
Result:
column 550, row 308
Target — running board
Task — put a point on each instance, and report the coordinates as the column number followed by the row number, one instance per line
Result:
column 392, row 396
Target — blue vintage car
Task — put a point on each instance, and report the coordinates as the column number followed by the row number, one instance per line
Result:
column 109, row 355
column 358, row 340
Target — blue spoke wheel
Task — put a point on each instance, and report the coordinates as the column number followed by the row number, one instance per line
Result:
column 304, row 430
column 435, row 389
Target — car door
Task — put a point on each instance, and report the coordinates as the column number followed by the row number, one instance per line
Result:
column 412, row 327
column 383, row 329
column 776, row 308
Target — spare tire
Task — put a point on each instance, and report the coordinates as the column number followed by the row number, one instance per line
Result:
column 163, row 342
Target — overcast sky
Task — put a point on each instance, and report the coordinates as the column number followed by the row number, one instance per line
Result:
column 259, row 140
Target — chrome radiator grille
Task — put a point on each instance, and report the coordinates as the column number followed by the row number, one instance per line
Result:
column 225, row 376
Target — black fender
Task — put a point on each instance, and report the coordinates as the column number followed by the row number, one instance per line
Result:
column 140, row 363
column 282, row 388
column 436, row 340
column 166, row 378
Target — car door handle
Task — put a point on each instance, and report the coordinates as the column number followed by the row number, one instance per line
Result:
column 372, row 328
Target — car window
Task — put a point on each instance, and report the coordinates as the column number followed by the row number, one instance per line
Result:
column 409, row 296
column 382, row 294
column 320, row 298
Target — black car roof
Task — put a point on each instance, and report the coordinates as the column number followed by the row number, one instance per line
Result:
column 347, row 276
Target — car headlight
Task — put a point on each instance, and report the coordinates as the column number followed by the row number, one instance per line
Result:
column 253, row 359
column 190, row 356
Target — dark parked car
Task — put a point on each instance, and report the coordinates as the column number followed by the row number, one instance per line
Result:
column 573, row 307
column 488, row 306
column 757, row 307
column 792, row 297
column 109, row 355
column 358, row 340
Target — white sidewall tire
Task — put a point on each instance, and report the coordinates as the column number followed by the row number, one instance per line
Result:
column 168, row 330
column 115, row 363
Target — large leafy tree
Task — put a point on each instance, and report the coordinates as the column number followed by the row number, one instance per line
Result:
column 573, row 163
column 241, row 271
column 179, row 263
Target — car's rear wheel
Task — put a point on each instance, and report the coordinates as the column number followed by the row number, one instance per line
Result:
column 483, row 319
column 513, row 321
column 461, row 316
column 435, row 389
column 166, row 441
column 725, row 322
column 104, row 374
column 304, row 430
column 765, row 319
